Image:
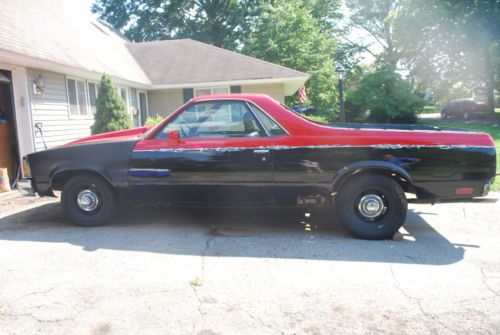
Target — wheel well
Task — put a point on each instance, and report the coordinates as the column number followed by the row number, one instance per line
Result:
column 403, row 181
column 62, row 177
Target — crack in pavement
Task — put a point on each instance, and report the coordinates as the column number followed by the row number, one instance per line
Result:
column 27, row 295
column 35, row 318
column 255, row 318
column 417, row 302
column 485, row 283
column 194, row 286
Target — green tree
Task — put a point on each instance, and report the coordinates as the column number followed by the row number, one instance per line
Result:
column 385, row 96
column 377, row 18
column 287, row 33
column 110, row 109
column 450, row 45
column 223, row 23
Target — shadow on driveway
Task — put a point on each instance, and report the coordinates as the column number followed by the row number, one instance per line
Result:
column 236, row 232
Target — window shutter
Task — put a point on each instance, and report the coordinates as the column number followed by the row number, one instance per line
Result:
column 187, row 93
column 236, row 89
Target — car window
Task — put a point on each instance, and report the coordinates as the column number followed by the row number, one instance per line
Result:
column 272, row 127
column 213, row 119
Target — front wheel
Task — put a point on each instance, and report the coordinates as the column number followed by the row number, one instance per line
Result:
column 88, row 201
column 371, row 207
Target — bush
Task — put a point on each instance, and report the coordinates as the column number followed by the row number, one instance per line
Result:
column 153, row 120
column 386, row 97
column 110, row 113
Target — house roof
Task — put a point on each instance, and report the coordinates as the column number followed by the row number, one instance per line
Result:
column 64, row 33
column 188, row 61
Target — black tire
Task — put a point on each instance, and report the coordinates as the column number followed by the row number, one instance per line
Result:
column 466, row 116
column 94, row 187
column 360, row 189
column 444, row 115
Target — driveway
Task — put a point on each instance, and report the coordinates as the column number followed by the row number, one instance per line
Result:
column 247, row 271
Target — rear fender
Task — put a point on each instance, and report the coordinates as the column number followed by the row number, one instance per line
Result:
column 393, row 170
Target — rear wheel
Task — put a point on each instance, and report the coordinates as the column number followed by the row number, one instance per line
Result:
column 88, row 201
column 466, row 116
column 371, row 207
column 444, row 115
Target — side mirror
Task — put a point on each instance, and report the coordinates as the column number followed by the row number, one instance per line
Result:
column 173, row 137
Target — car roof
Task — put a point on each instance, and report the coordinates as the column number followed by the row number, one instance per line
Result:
column 235, row 96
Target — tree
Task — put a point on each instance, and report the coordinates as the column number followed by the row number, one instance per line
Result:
column 385, row 96
column 288, row 34
column 110, row 109
column 223, row 23
column 450, row 44
column 377, row 18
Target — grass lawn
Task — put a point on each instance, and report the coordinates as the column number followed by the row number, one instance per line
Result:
column 492, row 130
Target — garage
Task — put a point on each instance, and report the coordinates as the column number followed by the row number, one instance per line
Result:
column 9, row 157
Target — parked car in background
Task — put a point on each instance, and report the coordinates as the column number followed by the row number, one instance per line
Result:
column 247, row 149
column 464, row 108
column 306, row 110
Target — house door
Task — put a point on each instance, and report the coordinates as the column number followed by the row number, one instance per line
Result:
column 143, row 106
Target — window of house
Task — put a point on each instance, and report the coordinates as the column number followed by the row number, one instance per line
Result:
column 93, row 92
column 214, row 119
column 211, row 90
column 77, row 97
column 123, row 92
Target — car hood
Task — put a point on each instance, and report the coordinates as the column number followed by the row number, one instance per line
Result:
column 120, row 135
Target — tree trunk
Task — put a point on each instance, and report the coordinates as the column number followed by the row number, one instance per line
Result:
column 490, row 78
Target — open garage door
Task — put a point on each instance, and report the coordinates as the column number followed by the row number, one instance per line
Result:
column 9, row 157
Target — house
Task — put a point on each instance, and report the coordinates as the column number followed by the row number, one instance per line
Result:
column 53, row 53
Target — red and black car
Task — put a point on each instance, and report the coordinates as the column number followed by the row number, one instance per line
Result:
column 247, row 149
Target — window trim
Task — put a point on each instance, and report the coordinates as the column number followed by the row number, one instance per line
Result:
column 211, row 88
column 139, row 104
column 88, row 114
column 252, row 104
column 127, row 102
column 96, row 83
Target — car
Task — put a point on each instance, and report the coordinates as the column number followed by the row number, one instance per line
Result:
column 464, row 108
column 306, row 110
column 248, row 149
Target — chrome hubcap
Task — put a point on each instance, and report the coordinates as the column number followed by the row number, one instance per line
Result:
column 371, row 206
column 87, row 200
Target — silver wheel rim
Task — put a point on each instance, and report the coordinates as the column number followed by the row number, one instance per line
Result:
column 371, row 206
column 87, row 200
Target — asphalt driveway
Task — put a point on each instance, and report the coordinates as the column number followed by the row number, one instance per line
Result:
column 247, row 271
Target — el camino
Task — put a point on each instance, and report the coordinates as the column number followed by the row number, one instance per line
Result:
column 247, row 149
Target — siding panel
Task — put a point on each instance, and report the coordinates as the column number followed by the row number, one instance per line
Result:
column 164, row 102
column 51, row 110
column 276, row 91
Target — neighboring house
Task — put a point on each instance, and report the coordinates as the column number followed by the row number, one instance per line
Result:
column 53, row 53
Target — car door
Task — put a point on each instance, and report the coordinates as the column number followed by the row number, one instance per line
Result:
column 211, row 152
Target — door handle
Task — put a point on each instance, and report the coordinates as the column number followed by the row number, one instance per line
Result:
column 261, row 151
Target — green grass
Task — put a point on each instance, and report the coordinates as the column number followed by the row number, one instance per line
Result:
column 431, row 109
column 492, row 130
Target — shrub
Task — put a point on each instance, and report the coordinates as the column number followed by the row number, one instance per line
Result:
column 386, row 97
column 153, row 120
column 110, row 113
